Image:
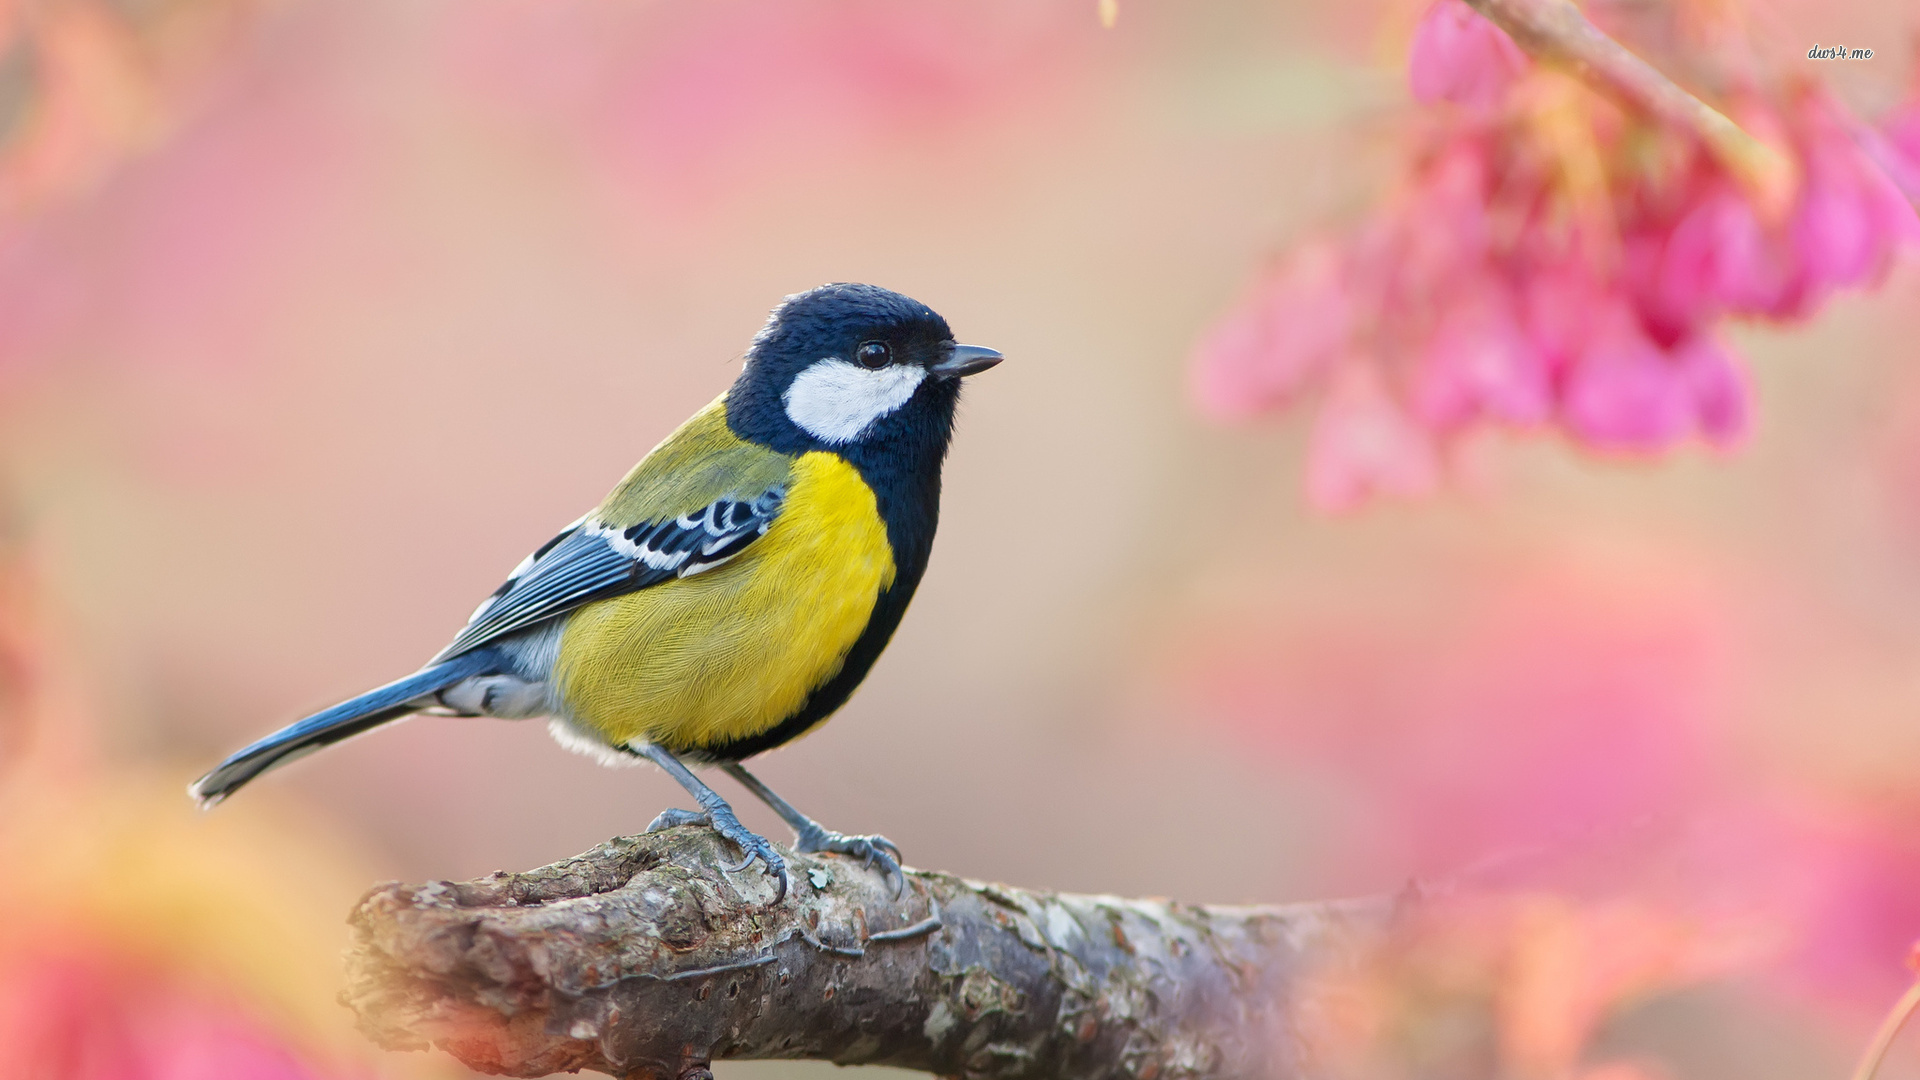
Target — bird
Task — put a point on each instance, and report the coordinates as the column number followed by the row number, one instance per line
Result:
column 732, row 591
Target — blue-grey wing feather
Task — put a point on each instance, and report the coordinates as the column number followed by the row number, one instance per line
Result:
column 590, row 561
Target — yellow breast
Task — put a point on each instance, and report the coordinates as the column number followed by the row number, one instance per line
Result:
column 732, row 652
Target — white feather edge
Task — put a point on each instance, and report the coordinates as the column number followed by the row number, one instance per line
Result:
column 520, row 571
column 570, row 737
column 656, row 560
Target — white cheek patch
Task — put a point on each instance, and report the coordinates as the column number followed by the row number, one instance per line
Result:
column 835, row 400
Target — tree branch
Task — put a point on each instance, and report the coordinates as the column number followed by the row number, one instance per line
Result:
column 1556, row 32
column 643, row 958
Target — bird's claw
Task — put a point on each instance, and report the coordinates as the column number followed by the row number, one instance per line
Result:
column 752, row 846
column 868, row 849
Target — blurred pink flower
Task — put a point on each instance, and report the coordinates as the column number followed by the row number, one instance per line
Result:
column 1850, row 213
column 1481, row 364
column 1554, row 707
column 73, row 1017
column 1286, row 333
column 1847, row 879
column 1620, row 1070
column 700, row 98
column 1547, row 971
column 91, row 84
column 1716, row 259
column 138, row 940
column 1903, row 130
column 1623, row 392
column 1568, row 732
column 1719, row 387
column 1460, row 57
column 1549, row 261
column 1559, row 304
column 1438, row 237
column 1364, row 443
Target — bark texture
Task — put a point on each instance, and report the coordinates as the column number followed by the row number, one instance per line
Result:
column 644, row 958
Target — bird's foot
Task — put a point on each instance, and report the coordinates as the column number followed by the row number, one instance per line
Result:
column 870, row 849
column 752, row 846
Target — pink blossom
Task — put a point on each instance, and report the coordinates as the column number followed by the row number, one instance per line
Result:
column 1903, row 130
column 1553, row 705
column 1439, row 231
column 1283, row 334
column 1363, row 444
column 1460, row 57
column 1479, row 364
column 1898, row 155
column 1850, row 214
column 1510, row 281
column 1623, row 392
column 1855, row 891
column 1717, row 259
column 1836, row 232
column 1717, row 386
column 1558, row 305
column 690, row 99
column 74, row 1016
column 1584, row 712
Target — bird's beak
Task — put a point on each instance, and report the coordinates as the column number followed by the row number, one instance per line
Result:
column 966, row 360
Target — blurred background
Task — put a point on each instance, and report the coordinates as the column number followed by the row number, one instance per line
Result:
column 316, row 316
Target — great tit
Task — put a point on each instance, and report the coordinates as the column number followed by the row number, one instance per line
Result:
column 733, row 590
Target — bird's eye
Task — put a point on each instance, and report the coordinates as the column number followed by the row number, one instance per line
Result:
column 874, row 354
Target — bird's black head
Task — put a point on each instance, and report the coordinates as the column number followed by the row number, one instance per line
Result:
column 856, row 369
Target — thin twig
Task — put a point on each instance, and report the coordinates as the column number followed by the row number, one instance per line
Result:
column 1556, row 32
column 1889, row 1029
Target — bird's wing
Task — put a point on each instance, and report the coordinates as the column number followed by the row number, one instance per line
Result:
column 699, row 499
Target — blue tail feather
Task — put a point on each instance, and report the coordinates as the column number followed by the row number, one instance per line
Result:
column 343, row 721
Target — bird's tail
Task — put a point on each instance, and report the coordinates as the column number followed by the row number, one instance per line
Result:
column 343, row 721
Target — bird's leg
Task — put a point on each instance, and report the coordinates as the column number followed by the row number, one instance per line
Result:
column 810, row 836
column 715, row 812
